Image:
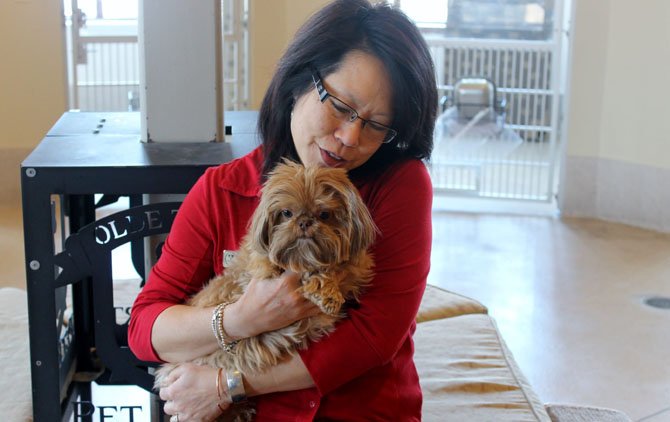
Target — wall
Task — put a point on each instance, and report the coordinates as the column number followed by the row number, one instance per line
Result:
column 33, row 70
column 616, row 157
column 32, row 82
column 273, row 24
column 617, row 154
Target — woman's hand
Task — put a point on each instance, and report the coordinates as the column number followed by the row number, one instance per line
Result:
column 268, row 305
column 191, row 393
column 182, row 333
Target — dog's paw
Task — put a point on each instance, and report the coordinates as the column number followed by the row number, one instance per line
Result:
column 330, row 302
column 331, row 305
column 323, row 294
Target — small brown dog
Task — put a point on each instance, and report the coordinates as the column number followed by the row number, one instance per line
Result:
column 311, row 221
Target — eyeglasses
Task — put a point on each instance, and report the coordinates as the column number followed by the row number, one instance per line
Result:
column 371, row 131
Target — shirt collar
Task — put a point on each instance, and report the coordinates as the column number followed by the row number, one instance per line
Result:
column 243, row 175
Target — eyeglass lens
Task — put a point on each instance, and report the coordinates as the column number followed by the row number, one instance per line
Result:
column 371, row 130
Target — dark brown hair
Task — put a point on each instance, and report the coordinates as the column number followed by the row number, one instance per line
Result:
column 321, row 43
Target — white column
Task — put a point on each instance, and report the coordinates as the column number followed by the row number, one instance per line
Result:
column 180, row 70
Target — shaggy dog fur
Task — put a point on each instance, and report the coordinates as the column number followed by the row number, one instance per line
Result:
column 311, row 221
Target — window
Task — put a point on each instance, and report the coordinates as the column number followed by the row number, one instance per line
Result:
column 105, row 9
column 501, row 19
column 103, row 18
column 427, row 13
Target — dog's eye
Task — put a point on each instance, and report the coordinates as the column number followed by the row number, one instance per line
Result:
column 287, row 213
column 325, row 215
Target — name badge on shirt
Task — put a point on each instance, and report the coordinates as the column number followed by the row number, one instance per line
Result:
column 228, row 257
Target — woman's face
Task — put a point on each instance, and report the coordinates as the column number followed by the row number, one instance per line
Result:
column 323, row 140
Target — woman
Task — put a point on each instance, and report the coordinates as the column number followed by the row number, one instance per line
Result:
column 355, row 89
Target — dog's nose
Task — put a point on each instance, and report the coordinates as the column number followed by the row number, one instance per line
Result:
column 305, row 223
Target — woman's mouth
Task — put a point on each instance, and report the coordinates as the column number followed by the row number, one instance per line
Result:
column 332, row 160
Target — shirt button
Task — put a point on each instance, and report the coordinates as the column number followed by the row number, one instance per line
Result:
column 312, row 404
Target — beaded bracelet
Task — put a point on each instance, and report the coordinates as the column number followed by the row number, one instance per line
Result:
column 219, row 332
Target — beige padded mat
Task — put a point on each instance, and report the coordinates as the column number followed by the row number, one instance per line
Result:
column 439, row 303
column 16, row 396
column 467, row 373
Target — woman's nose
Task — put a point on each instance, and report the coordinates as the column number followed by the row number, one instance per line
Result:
column 349, row 133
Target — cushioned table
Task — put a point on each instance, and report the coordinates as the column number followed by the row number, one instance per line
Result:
column 466, row 371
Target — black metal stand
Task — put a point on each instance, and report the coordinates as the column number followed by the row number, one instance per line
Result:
column 86, row 154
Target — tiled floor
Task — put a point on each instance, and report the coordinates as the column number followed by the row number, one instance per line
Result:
column 566, row 294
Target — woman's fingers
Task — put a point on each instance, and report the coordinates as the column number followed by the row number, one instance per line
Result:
column 268, row 305
column 191, row 393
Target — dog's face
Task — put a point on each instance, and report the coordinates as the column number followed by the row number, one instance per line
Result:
column 310, row 218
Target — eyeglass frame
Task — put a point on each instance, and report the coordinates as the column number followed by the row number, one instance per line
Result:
column 323, row 96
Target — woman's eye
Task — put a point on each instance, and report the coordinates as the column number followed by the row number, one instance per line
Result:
column 378, row 127
column 325, row 215
column 340, row 109
column 287, row 213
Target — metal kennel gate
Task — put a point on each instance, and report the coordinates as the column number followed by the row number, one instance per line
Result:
column 527, row 75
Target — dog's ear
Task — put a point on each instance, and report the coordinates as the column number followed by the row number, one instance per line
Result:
column 361, row 229
column 259, row 230
column 263, row 220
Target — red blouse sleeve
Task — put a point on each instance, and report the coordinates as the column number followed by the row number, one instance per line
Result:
column 185, row 265
column 400, row 205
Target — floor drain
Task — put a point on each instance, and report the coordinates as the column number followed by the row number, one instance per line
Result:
column 658, row 302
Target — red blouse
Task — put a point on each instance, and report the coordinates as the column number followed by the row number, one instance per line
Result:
column 364, row 369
